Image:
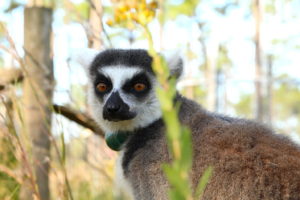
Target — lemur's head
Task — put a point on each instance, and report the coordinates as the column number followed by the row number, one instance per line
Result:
column 122, row 87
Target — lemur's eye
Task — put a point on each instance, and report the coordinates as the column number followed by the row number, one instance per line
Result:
column 139, row 87
column 102, row 87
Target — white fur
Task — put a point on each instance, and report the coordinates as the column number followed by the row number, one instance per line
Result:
column 119, row 74
column 147, row 111
column 122, row 185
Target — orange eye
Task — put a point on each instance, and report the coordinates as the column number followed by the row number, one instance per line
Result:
column 139, row 87
column 102, row 87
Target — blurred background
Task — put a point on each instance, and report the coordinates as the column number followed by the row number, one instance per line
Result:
column 242, row 58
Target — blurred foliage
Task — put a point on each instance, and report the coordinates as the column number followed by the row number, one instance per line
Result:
column 128, row 13
column 223, row 60
column 186, row 7
column 287, row 105
column 89, row 174
column 244, row 107
column 2, row 29
column 80, row 11
column 202, row 183
column 78, row 96
column 9, row 187
column 13, row 5
column 198, row 93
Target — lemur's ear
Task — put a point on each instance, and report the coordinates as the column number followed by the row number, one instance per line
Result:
column 85, row 56
column 175, row 64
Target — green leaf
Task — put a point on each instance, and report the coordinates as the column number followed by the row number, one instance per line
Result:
column 186, row 148
column 203, row 182
column 63, row 148
column 180, row 186
column 173, row 126
column 175, row 195
column 166, row 103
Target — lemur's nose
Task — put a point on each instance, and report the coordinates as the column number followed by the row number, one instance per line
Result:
column 113, row 108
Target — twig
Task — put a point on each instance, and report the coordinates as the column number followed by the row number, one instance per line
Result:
column 79, row 117
column 10, row 173
column 10, row 76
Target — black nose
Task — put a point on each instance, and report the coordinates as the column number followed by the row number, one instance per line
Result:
column 113, row 108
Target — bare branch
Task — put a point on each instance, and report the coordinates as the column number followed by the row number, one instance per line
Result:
column 10, row 76
column 79, row 117
column 15, row 175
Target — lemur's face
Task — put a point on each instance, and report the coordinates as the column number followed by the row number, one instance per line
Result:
column 122, row 89
column 124, row 95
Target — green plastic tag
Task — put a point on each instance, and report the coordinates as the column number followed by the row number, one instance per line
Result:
column 116, row 140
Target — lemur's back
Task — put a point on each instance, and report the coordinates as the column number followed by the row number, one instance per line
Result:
column 249, row 161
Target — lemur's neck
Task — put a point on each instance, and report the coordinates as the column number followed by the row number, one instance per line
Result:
column 140, row 138
column 117, row 140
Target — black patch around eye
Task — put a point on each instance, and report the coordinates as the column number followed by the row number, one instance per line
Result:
column 138, row 78
column 100, row 78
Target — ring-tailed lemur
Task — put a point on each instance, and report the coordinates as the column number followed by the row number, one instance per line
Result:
column 249, row 161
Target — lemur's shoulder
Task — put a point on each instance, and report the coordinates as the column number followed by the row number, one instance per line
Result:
column 202, row 122
column 145, row 144
column 142, row 160
column 240, row 150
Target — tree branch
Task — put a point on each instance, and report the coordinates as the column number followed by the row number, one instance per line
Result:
column 10, row 76
column 15, row 175
column 79, row 117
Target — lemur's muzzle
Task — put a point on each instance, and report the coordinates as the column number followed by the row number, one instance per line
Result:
column 116, row 109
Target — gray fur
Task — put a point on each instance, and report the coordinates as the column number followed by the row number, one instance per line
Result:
column 249, row 160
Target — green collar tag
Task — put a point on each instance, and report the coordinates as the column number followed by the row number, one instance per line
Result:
column 116, row 140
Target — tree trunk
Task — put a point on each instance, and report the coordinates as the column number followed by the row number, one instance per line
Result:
column 37, row 98
column 219, row 102
column 225, row 82
column 211, row 78
column 269, row 97
column 209, row 73
column 95, row 24
column 258, row 61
